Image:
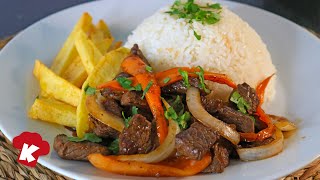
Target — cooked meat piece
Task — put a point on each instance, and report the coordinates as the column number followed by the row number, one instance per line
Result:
column 77, row 150
column 249, row 94
column 211, row 105
column 136, row 51
column 112, row 106
column 220, row 159
column 133, row 98
column 256, row 143
column 123, row 74
column 196, row 141
column 111, row 94
column 259, row 125
column 136, row 139
column 103, row 130
column 243, row 122
column 179, row 87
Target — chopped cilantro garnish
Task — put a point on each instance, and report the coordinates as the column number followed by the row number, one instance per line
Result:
column 89, row 90
column 190, row 11
column 182, row 120
column 148, row 68
column 134, row 111
column 185, row 77
column 126, row 84
column 146, row 89
column 166, row 80
column 87, row 137
column 114, row 146
column 241, row 103
column 201, row 78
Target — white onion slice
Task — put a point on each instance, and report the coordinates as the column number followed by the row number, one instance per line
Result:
column 95, row 109
column 264, row 151
column 160, row 153
column 282, row 123
column 197, row 110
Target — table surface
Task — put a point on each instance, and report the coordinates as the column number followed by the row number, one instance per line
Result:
column 15, row 15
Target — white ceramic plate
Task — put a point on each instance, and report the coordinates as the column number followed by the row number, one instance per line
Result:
column 295, row 53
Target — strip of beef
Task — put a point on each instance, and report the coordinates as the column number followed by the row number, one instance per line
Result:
column 137, row 138
column 220, row 158
column 256, row 143
column 122, row 74
column 111, row 93
column 136, row 51
column 250, row 96
column 243, row 122
column 179, row 87
column 103, row 130
column 196, row 141
column 112, row 106
column 216, row 107
column 76, row 150
column 133, row 98
column 211, row 105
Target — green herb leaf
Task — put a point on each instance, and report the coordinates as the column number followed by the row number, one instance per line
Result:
column 87, row 137
column 185, row 77
column 146, row 89
column 89, row 90
column 126, row 84
column 196, row 35
column 134, row 111
column 201, row 78
column 166, row 80
column 191, row 11
column 148, row 68
column 177, row 105
column 114, row 146
column 181, row 120
column 253, row 119
column 241, row 103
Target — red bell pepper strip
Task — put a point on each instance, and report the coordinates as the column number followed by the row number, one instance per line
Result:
column 267, row 132
column 175, row 76
column 134, row 65
column 169, row 168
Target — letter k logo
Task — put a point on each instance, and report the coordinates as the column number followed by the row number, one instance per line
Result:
column 31, row 146
column 26, row 152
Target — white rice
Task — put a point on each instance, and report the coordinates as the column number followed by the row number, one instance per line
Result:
column 230, row 46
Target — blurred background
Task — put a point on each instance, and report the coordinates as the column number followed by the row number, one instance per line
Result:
column 15, row 15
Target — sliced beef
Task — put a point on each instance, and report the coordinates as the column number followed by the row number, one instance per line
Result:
column 220, row 159
column 136, row 51
column 179, row 87
column 111, row 93
column 133, row 98
column 103, row 130
column 259, row 125
column 243, row 122
column 137, row 138
column 250, row 96
column 123, row 74
column 196, row 141
column 112, row 106
column 77, row 150
column 256, row 143
column 211, row 105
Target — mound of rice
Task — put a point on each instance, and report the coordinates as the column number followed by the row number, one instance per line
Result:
column 230, row 46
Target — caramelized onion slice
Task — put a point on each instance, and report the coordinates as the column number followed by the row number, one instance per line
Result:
column 160, row 153
column 197, row 110
column 282, row 123
column 265, row 151
column 97, row 111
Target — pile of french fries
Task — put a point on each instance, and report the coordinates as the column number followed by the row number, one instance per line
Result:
column 89, row 57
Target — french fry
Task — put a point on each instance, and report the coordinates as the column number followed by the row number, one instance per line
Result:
column 68, row 51
column 53, row 111
column 116, row 45
column 55, row 86
column 88, row 52
column 104, row 28
column 75, row 73
column 105, row 70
